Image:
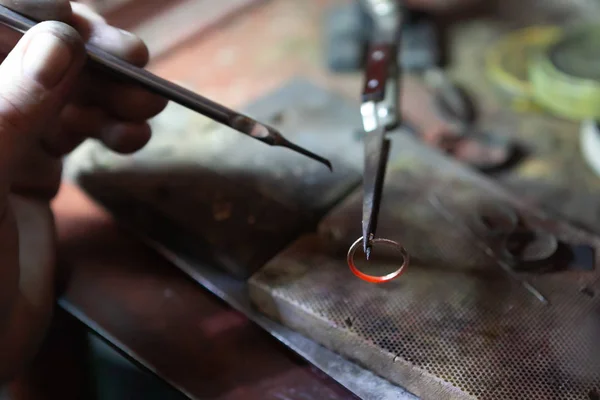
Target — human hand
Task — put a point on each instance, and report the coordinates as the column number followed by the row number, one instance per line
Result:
column 48, row 105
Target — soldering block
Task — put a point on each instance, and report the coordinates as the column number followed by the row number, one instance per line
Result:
column 455, row 325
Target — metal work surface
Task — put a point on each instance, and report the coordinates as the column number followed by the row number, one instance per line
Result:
column 239, row 200
column 455, row 325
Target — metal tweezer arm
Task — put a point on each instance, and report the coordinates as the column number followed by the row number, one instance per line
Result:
column 102, row 60
column 379, row 111
column 376, row 148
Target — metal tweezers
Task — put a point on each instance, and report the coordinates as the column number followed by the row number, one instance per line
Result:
column 379, row 111
column 380, row 114
column 101, row 60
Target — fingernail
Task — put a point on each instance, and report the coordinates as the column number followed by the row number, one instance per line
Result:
column 47, row 59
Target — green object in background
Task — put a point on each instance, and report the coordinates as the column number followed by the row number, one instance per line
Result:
column 566, row 75
column 508, row 61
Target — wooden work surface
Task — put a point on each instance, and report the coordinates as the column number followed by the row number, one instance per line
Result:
column 149, row 310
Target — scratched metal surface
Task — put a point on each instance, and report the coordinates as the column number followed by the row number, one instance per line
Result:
column 454, row 326
column 239, row 200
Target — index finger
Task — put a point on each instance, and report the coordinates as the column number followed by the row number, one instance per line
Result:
column 42, row 10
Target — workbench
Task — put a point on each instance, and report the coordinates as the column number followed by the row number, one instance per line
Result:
column 182, row 333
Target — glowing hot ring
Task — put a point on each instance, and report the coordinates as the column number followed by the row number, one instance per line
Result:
column 373, row 278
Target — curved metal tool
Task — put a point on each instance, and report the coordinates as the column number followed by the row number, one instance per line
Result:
column 104, row 61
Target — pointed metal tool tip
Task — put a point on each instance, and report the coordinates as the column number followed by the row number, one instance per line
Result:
column 315, row 157
column 368, row 253
column 309, row 154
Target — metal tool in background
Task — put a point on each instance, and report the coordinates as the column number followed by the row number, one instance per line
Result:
column 380, row 114
column 101, row 60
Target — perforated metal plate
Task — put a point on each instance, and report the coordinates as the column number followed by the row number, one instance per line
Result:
column 455, row 325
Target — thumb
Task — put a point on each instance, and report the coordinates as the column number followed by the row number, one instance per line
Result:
column 35, row 82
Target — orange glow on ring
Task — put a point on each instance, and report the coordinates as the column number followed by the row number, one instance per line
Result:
column 373, row 278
